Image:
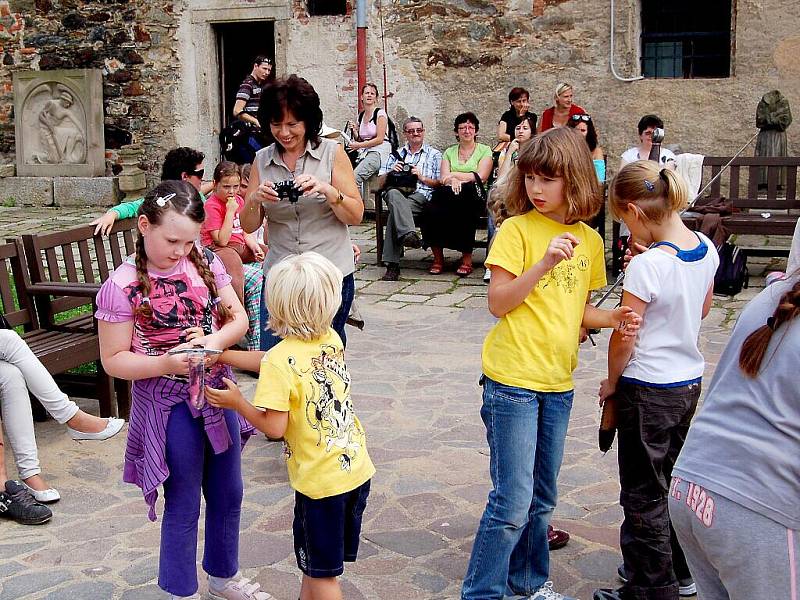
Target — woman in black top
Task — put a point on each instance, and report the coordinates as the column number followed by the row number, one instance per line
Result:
column 519, row 98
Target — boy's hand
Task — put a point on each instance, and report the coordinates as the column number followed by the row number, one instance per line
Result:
column 561, row 247
column 626, row 321
column 228, row 398
column 606, row 390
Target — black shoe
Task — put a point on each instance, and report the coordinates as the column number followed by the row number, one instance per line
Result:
column 18, row 503
column 411, row 240
column 392, row 272
column 686, row 587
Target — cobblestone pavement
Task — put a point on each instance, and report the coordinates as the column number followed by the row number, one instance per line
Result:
column 415, row 369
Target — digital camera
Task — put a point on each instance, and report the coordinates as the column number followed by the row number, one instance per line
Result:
column 287, row 191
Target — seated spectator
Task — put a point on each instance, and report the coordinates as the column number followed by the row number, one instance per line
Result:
column 21, row 373
column 222, row 232
column 585, row 125
column 523, row 132
column 450, row 219
column 425, row 163
column 519, row 98
column 371, row 139
column 563, row 108
column 647, row 124
column 182, row 164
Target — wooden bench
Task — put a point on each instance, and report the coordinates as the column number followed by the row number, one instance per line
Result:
column 739, row 184
column 380, row 222
column 66, row 270
column 60, row 346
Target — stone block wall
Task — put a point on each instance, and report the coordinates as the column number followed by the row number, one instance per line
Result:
column 131, row 41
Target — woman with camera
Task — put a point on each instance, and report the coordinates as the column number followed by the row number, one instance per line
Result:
column 316, row 168
column 450, row 219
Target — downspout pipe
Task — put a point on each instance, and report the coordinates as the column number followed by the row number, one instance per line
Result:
column 611, row 53
column 361, row 46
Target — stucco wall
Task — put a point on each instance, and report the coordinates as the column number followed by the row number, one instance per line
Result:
column 442, row 57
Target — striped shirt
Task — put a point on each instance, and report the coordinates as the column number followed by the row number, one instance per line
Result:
column 427, row 159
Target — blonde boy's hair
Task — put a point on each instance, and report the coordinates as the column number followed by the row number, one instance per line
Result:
column 304, row 292
column 560, row 152
column 655, row 191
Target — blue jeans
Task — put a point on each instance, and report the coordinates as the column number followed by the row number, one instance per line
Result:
column 269, row 339
column 525, row 430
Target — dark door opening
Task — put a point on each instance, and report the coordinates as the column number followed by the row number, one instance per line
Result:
column 237, row 46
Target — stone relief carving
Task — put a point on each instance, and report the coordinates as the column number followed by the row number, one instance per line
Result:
column 60, row 123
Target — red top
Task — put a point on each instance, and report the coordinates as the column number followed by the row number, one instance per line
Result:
column 215, row 216
column 547, row 115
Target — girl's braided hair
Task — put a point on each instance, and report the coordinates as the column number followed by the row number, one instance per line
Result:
column 755, row 346
column 184, row 199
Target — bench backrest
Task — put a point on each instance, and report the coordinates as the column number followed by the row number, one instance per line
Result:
column 741, row 181
column 16, row 305
column 76, row 255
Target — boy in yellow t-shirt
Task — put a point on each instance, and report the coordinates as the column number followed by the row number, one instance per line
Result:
column 303, row 396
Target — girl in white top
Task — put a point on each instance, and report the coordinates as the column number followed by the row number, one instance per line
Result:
column 654, row 378
column 372, row 142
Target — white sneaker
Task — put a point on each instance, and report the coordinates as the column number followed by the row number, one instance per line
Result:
column 113, row 427
column 47, row 496
column 487, row 275
column 546, row 592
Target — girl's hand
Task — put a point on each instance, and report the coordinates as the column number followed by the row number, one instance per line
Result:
column 228, row 398
column 561, row 247
column 356, row 253
column 265, row 192
column 606, row 390
column 231, row 205
column 626, row 321
column 310, row 185
column 258, row 253
column 175, row 364
column 104, row 224
column 632, row 250
column 512, row 147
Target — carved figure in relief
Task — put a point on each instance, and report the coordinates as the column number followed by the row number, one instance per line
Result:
column 62, row 136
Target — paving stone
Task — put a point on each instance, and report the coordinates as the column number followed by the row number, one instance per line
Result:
column 141, row 572
column 148, row 592
column 408, row 298
column 19, row 549
column 432, row 583
column 89, row 590
column 10, row 568
column 408, row 543
column 28, row 583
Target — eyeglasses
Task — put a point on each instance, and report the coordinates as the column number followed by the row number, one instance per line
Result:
column 414, row 131
column 196, row 173
column 466, row 127
column 583, row 117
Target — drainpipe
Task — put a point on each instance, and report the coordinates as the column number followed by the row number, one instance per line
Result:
column 361, row 46
column 611, row 53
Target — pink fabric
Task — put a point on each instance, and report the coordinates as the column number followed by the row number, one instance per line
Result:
column 215, row 216
column 367, row 130
column 178, row 297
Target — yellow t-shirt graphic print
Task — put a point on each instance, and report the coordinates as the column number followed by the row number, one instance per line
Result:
column 326, row 452
column 535, row 345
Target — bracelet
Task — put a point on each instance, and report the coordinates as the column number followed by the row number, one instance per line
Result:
column 340, row 198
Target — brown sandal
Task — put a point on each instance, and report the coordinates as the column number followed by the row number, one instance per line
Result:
column 436, row 269
column 464, row 270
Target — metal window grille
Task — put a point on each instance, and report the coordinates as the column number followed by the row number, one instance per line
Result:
column 686, row 38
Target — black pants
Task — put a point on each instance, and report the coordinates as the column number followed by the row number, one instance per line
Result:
column 652, row 425
column 450, row 220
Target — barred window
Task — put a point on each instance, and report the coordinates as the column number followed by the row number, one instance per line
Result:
column 686, row 38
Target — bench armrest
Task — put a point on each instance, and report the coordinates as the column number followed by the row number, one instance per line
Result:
column 64, row 288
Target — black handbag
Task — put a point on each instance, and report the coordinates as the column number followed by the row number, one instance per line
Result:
column 403, row 181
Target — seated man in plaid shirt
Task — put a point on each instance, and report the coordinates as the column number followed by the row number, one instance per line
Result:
column 425, row 162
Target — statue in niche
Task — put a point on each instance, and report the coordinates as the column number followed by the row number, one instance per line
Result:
column 62, row 134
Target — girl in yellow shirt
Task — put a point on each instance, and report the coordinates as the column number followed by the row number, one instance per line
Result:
column 545, row 261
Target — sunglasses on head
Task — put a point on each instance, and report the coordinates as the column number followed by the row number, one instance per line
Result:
column 196, row 173
column 583, row 117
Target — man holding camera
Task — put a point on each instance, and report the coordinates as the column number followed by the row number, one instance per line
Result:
column 408, row 178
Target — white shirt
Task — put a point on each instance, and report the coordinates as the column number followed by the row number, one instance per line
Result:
column 632, row 155
column 675, row 289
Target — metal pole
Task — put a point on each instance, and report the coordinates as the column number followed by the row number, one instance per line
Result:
column 361, row 46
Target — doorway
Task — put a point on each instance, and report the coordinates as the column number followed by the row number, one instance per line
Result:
column 237, row 46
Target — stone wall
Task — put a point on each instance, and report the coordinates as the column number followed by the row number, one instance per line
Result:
column 442, row 57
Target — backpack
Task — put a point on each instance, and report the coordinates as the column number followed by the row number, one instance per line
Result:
column 391, row 130
column 240, row 141
column 732, row 274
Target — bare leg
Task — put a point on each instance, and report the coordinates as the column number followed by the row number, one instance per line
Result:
column 36, row 482
column 320, row 588
column 86, row 423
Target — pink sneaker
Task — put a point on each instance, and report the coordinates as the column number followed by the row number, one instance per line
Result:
column 239, row 588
